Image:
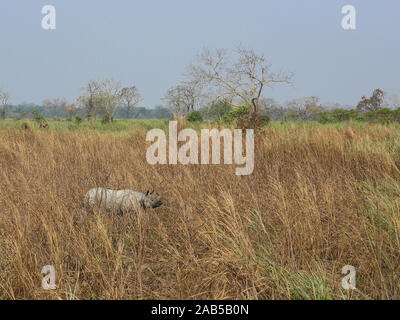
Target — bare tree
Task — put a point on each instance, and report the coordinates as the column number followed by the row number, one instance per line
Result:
column 182, row 98
column 109, row 97
column 54, row 106
column 240, row 78
column 304, row 108
column 4, row 103
column 70, row 110
column 272, row 108
column 101, row 96
column 392, row 101
column 130, row 98
column 372, row 104
column 89, row 100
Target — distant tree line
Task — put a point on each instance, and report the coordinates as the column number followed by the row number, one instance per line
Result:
column 377, row 108
column 29, row 110
column 106, row 99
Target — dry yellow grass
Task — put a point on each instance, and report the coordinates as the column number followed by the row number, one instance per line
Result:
column 319, row 199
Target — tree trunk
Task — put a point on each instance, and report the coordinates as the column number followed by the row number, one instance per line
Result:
column 109, row 117
column 128, row 111
column 254, row 103
column 90, row 110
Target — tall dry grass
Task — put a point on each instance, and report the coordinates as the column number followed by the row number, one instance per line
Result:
column 319, row 199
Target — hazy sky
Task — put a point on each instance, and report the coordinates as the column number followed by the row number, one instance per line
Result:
column 149, row 43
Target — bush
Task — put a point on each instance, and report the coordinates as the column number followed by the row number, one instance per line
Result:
column 227, row 118
column 396, row 115
column 291, row 117
column 40, row 120
column 384, row 115
column 25, row 126
column 323, row 117
column 264, row 119
column 252, row 121
column 105, row 120
column 78, row 120
column 218, row 110
column 339, row 115
column 194, row 116
column 238, row 112
column 245, row 119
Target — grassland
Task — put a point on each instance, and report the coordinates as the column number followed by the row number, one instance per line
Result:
column 320, row 197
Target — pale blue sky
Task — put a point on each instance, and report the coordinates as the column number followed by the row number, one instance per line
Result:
column 149, row 44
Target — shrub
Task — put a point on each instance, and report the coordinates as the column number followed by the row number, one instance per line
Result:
column 105, row 120
column 323, row 117
column 25, row 126
column 218, row 110
column 291, row 117
column 238, row 112
column 39, row 119
column 252, row 121
column 339, row 115
column 396, row 115
column 264, row 119
column 245, row 119
column 78, row 120
column 384, row 116
column 194, row 116
column 227, row 118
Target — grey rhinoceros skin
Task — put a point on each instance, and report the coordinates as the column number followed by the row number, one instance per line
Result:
column 120, row 201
